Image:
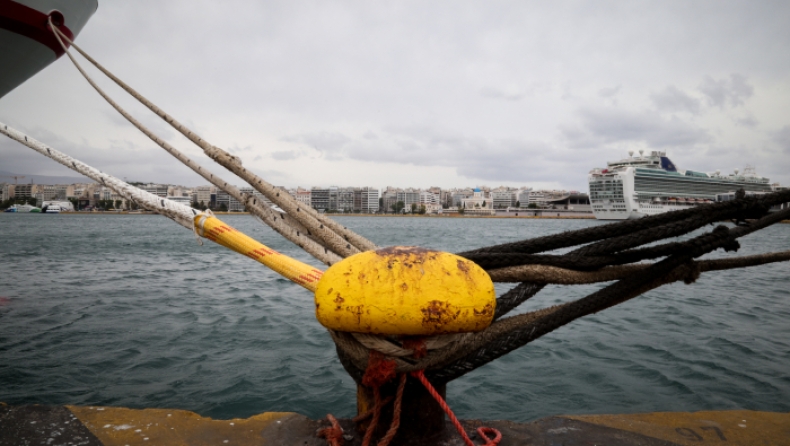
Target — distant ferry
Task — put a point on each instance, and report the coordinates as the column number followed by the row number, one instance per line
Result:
column 650, row 184
column 23, row 208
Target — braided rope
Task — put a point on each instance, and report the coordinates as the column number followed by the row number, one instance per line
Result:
column 206, row 225
column 453, row 419
column 329, row 231
column 541, row 274
column 587, row 235
column 291, row 229
column 177, row 212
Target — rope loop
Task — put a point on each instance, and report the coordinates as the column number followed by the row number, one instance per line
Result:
column 197, row 226
column 332, row 434
column 481, row 431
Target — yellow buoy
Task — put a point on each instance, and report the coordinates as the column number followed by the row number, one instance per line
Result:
column 405, row 291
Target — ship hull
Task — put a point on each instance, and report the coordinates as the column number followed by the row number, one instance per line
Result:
column 650, row 185
column 27, row 45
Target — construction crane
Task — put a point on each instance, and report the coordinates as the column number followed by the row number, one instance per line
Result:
column 15, row 177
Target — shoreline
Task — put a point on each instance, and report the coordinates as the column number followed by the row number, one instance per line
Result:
column 552, row 217
column 529, row 217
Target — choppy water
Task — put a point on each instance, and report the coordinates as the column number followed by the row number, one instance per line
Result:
column 130, row 311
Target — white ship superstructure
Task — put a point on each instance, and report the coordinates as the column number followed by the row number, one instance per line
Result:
column 650, row 184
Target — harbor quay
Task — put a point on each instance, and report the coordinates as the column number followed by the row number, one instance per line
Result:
column 468, row 202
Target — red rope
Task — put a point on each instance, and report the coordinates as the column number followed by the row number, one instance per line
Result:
column 395, row 413
column 334, row 434
column 379, row 372
column 481, row 431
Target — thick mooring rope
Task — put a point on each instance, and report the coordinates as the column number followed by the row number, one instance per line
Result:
column 289, row 228
column 541, row 274
column 337, row 237
column 505, row 335
column 620, row 229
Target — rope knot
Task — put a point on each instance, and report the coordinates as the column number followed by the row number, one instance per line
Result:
column 380, row 370
column 332, row 434
column 418, row 345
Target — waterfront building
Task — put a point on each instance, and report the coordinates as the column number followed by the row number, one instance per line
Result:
column 522, row 197
column 344, row 201
column 24, row 190
column 459, row 195
column 319, row 198
column 501, row 198
column 477, row 204
column 303, row 196
column 204, row 195
column 429, row 199
column 180, row 199
column 6, row 191
column 366, row 200
column 160, row 190
column 389, row 198
column 409, row 196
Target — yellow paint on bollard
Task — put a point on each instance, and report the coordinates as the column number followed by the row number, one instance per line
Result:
column 405, row 291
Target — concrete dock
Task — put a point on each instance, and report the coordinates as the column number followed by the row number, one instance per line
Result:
column 111, row 426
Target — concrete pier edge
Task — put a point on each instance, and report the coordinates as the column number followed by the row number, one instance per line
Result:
column 110, row 426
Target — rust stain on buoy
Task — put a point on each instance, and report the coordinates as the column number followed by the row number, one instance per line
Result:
column 405, row 291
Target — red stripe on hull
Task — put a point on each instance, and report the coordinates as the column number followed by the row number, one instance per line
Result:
column 32, row 24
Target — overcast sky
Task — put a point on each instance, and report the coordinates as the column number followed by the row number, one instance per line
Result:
column 422, row 93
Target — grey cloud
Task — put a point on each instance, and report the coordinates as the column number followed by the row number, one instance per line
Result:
column 609, row 92
column 723, row 92
column 674, row 100
column 153, row 123
column 495, row 93
column 473, row 157
column 782, row 138
column 328, row 143
column 286, row 154
column 747, row 121
column 606, row 126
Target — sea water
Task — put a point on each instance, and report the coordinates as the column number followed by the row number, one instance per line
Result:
column 129, row 310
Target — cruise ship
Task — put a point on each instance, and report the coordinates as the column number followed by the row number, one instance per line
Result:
column 650, row 184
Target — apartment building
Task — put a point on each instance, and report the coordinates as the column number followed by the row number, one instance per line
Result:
column 366, row 200
column 160, row 190
column 205, row 195
column 409, row 196
column 303, row 196
column 344, row 201
column 501, row 198
column 319, row 198
column 25, row 190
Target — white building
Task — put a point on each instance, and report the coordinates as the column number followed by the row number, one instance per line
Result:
column 477, row 204
column 303, row 196
column 160, row 190
column 408, row 197
column 501, row 198
column 366, row 200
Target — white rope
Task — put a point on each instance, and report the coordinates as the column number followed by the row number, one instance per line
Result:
column 289, row 228
column 178, row 212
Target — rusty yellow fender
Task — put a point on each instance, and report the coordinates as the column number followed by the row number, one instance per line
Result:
column 405, row 291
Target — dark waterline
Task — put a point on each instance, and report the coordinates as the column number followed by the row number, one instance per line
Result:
column 131, row 311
